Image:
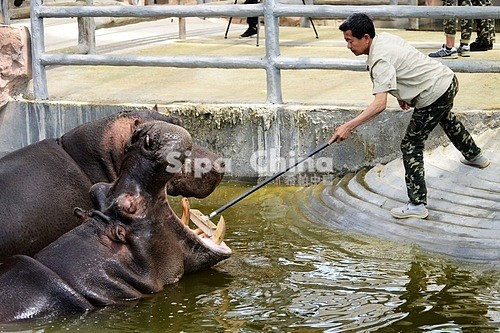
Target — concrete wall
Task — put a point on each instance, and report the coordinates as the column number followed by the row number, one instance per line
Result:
column 255, row 138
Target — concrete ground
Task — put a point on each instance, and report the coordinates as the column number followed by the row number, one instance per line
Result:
column 101, row 84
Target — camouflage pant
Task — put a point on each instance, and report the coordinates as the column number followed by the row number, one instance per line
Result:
column 450, row 25
column 485, row 28
column 423, row 121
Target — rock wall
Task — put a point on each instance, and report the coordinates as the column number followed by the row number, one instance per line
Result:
column 15, row 62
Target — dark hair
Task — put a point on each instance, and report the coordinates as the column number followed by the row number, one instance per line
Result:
column 359, row 24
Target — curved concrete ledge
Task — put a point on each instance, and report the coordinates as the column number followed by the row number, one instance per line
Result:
column 464, row 204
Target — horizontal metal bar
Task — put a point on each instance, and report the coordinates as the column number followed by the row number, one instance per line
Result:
column 468, row 66
column 291, row 63
column 324, row 11
column 475, row 66
column 320, row 63
column 384, row 11
column 166, row 61
column 152, row 11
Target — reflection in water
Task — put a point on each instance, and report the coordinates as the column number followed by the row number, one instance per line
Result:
column 289, row 274
column 448, row 297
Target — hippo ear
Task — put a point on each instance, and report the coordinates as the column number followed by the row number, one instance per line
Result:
column 83, row 215
column 118, row 234
column 136, row 135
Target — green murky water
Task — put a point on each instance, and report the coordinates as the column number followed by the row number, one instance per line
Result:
column 288, row 274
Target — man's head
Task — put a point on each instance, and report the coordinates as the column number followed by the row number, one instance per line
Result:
column 358, row 32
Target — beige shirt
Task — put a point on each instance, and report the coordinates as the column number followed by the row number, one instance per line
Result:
column 399, row 69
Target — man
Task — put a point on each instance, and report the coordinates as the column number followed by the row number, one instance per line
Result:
column 418, row 81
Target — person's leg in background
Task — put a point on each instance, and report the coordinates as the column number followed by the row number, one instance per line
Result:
column 448, row 50
column 485, row 29
column 251, row 21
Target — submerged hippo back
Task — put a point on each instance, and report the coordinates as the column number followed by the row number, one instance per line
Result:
column 28, row 289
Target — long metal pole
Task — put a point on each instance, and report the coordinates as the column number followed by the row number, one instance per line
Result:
column 267, row 181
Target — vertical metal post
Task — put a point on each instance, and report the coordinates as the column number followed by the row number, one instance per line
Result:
column 182, row 23
column 273, row 74
column 37, row 48
column 86, row 33
column 413, row 23
column 306, row 21
column 5, row 11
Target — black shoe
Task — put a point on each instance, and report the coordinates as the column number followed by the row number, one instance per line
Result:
column 249, row 33
column 475, row 46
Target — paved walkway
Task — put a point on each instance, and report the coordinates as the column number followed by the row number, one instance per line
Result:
column 206, row 37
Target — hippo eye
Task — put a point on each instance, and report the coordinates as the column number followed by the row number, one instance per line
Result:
column 150, row 143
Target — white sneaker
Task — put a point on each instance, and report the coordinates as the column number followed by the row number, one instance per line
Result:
column 463, row 50
column 410, row 210
column 444, row 53
column 479, row 161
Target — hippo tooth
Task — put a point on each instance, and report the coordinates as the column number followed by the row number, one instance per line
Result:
column 185, row 211
column 198, row 232
column 202, row 222
column 220, row 231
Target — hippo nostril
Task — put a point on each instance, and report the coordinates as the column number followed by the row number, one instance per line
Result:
column 219, row 167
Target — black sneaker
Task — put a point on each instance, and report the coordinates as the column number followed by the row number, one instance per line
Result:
column 249, row 33
column 475, row 46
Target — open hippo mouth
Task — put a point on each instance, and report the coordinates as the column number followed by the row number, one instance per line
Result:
column 204, row 237
column 205, row 232
column 207, row 237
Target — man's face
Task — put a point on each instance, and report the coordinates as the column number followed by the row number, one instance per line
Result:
column 357, row 46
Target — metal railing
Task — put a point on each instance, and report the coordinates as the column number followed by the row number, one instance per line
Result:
column 272, row 62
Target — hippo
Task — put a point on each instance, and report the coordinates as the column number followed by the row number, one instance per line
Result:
column 133, row 247
column 40, row 184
